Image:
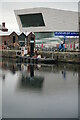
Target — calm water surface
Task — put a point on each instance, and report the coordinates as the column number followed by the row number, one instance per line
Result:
column 39, row 91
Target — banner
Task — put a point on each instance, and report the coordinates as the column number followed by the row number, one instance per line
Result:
column 66, row 34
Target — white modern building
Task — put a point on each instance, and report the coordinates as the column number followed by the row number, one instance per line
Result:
column 44, row 22
column 46, row 19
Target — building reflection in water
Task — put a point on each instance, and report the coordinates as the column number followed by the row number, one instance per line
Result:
column 79, row 66
column 28, row 79
column 79, row 92
column 64, row 74
column 27, row 69
column 3, row 76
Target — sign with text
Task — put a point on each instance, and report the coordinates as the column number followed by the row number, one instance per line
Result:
column 66, row 33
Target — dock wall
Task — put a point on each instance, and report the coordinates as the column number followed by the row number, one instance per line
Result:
column 73, row 57
column 8, row 53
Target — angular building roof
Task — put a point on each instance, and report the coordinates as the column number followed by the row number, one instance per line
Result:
column 7, row 33
column 46, row 19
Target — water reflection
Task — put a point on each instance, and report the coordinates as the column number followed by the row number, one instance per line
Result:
column 64, row 74
column 28, row 69
column 13, row 66
column 30, row 81
column 40, row 91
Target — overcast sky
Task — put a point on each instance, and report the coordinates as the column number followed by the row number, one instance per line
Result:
column 7, row 9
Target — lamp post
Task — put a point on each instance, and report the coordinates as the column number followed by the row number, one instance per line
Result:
column 32, row 46
column 64, row 39
column 25, row 42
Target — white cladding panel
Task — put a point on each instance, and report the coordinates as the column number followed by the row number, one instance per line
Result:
column 55, row 20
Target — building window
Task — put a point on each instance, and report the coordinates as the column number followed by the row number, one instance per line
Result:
column 4, row 42
column 22, row 44
column 32, row 20
column 14, row 38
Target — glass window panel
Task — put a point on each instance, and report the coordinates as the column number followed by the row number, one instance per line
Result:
column 32, row 20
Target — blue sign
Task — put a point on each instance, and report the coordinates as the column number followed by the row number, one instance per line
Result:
column 66, row 34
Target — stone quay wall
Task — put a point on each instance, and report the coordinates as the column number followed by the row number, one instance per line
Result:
column 72, row 57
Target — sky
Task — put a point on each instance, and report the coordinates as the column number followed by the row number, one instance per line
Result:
column 7, row 8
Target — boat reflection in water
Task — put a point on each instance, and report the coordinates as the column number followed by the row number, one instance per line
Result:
column 30, row 80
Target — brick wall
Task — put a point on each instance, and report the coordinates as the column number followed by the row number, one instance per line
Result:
column 3, row 39
column 11, row 37
column 29, row 38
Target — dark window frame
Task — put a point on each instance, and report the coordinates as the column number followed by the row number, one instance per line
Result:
column 14, row 39
column 5, row 43
column 32, row 20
